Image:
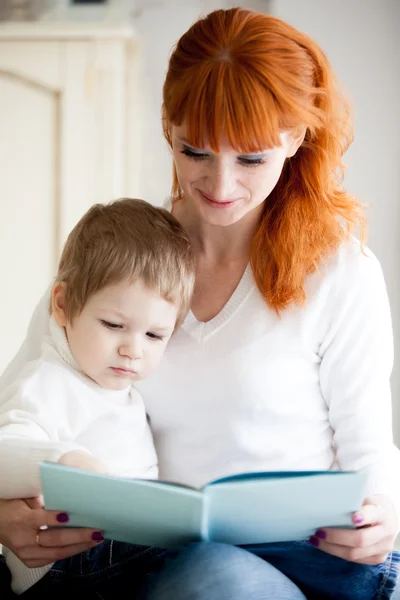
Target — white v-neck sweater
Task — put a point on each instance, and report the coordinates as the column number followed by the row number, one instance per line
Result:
column 50, row 408
column 309, row 389
column 250, row 390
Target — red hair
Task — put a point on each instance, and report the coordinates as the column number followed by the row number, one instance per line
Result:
column 250, row 76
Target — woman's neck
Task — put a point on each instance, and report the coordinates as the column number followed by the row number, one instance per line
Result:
column 215, row 243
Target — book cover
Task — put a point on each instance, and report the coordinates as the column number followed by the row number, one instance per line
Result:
column 249, row 508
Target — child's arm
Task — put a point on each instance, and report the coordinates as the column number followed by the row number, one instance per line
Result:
column 20, row 458
column 29, row 426
column 152, row 472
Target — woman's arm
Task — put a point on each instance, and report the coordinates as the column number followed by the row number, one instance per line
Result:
column 357, row 358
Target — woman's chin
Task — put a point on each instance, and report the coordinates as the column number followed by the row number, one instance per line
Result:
column 221, row 216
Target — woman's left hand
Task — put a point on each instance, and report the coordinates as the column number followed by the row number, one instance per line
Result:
column 369, row 544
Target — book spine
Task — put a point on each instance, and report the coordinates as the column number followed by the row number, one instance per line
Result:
column 205, row 519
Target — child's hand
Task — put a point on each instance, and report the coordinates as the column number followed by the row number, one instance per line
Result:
column 371, row 542
column 83, row 460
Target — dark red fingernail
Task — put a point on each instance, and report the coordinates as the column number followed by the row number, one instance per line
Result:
column 314, row 541
column 97, row 536
column 321, row 534
column 358, row 518
column 62, row 518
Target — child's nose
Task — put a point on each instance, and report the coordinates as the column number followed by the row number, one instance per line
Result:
column 132, row 349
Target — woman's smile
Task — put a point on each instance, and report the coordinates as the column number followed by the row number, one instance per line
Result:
column 219, row 204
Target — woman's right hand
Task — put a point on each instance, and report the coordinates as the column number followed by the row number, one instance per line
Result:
column 20, row 522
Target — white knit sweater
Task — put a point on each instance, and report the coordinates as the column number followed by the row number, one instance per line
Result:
column 52, row 408
column 309, row 389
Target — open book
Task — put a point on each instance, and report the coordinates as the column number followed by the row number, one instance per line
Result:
column 243, row 509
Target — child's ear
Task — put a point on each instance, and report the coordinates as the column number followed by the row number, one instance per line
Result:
column 58, row 303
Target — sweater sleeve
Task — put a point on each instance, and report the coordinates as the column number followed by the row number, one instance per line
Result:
column 20, row 459
column 28, row 436
column 356, row 364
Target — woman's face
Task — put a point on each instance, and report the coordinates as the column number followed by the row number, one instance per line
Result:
column 224, row 187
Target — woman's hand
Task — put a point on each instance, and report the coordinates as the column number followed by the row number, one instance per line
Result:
column 369, row 544
column 20, row 522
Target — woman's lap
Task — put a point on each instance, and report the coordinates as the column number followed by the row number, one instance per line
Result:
column 197, row 571
column 324, row 577
column 216, row 571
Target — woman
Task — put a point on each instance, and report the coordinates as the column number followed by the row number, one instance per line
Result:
column 284, row 361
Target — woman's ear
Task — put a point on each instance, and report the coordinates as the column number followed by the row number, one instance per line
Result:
column 296, row 138
column 58, row 303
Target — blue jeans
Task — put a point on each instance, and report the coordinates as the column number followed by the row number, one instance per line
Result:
column 205, row 571
column 5, row 580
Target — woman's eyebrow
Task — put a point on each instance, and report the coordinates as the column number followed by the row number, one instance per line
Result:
column 248, row 154
column 185, row 141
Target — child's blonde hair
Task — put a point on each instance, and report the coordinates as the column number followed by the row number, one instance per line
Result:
column 127, row 239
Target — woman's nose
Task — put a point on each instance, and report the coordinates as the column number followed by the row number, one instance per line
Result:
column 222, row 182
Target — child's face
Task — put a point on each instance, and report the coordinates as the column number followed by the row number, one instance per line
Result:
column 121, row 334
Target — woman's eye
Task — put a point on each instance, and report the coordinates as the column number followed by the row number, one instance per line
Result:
column 251, row 162
column 153, row 336
column 195, row 155
column 111, row 325
column 243, row 160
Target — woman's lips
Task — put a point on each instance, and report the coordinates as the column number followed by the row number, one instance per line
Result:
column 216, row 203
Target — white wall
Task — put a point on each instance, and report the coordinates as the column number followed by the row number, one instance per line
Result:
column 362, row 41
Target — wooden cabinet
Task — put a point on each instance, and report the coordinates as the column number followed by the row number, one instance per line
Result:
column 69, row 137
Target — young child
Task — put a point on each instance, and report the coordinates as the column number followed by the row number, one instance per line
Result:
column 124, row 284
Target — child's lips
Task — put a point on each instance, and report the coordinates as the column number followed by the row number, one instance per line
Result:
column 122, row 371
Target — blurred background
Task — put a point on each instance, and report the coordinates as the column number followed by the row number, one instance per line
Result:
column 80, row 96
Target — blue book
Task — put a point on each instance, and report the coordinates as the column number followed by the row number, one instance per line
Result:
column 251, row 508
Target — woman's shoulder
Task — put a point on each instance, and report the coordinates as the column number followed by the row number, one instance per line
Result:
column 353, row 262
column 350, row 276
column 348, row 287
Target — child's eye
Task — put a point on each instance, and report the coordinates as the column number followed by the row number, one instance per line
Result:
column 153, row 336
column 110, row 325
column 192, row 154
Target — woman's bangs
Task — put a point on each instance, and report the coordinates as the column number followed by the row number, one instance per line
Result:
column 227, row 103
